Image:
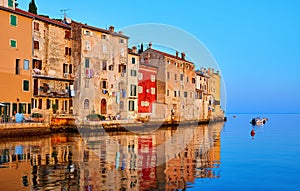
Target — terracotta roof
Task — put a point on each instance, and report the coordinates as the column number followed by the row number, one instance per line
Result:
column 131, row 52
column 42, row 18
column 169, row 55
column 100, row 30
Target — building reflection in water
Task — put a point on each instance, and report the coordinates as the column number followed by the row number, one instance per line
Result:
column 114, row 161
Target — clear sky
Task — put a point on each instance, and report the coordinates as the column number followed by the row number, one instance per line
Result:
column 255, row 42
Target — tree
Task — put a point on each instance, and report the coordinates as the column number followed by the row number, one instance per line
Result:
column 32, row 7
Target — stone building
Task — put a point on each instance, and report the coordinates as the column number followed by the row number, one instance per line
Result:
column 132, row 81
column 201, row 103
column 175, row 84
column 15, row 65
column 52, row 70
column 100, row 63
column 215, row 91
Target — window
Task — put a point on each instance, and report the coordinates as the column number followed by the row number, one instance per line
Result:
column 70, row 69
column 29, row 109
column 175, row 93
column 86, row 83
column 36, row 44
column 40, row 104
column 36, row 26
column 22, row 107
column 111, row 67
column 181, row 77
column 104, row 84
column 13, row 20
column 131, row 105
column 87, row 45
column 65, row 68
column 168, row 92
column 86, row 104
column 178, row 93
column 121, row 41
column 67, row 34
column 103, row 37
column 133, row 72
column 26, row 65
column 187, row 79
column 104, row 65
column 132, row 90
column 140, row 76
column 152, row 78
column 122, row 68
column 37, row 64
column 133, row 60
column 13, row 43
column 87, row 63
column 175, row 76
column 67, row 51
column 185, row 94
column 48, row 104
column 168, row 75
column 17, row 66
column 26, row 85
column 10, row 3
column 193, row 80
column 153, row 91
column 140, row 89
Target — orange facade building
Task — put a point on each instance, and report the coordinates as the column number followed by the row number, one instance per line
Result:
column 15, row 65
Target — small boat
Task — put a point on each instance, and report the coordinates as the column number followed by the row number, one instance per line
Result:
column 258, row 121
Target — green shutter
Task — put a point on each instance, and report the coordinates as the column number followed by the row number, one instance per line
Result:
column 10, row 3
column 13, row 43
column 13, row 20
column 25, row 85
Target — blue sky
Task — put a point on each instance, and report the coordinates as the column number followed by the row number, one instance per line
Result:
column 255, row 42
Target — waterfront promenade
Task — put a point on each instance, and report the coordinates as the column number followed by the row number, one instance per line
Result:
column 72, row 124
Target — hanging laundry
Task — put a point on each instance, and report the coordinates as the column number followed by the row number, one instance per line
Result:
column 123, row 93
column 89, row 73
column 118, row 97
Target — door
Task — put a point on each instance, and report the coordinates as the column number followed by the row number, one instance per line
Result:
column 103, row 106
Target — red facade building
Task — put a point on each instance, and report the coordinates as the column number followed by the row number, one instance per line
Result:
column 146, row 88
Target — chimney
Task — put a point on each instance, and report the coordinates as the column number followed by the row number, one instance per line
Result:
column 150, row 44
column 121, row 33
column 183, row 56
column 177, row 54
column 134, row 49
column 212, row 71
column 209, row 71
column 111, row 29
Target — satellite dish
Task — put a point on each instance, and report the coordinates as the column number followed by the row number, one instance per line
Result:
column 68, row 20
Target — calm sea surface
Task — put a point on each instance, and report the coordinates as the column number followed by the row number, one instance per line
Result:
column 220, row 156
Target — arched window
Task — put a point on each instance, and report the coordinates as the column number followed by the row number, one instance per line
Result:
column 86, row 104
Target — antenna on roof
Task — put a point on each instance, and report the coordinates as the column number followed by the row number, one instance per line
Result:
column 64, row 11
